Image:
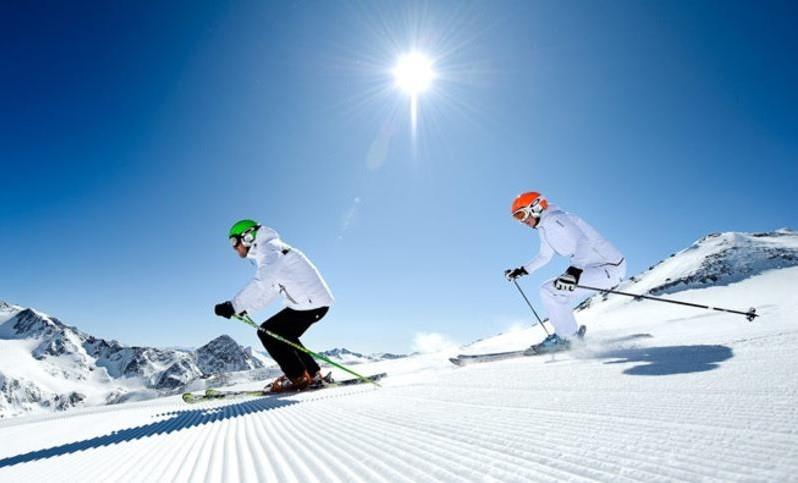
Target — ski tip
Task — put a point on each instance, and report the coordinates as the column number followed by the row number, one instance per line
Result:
column 751, row 314
column 188, row 397
column 456, row 361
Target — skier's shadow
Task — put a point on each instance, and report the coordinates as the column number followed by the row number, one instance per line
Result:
column 175, row 421
column 662, row 361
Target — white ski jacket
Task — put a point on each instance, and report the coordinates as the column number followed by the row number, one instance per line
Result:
column 568, row 235
column 281, row 270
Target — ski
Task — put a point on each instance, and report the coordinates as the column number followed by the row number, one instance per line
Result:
column 213, row 394
column 466, row 359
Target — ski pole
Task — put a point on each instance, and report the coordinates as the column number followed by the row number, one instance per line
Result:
column 750, row 315
column 247, row 320
column 533, row 308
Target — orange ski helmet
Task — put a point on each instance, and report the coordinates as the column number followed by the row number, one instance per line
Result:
column 528, row 204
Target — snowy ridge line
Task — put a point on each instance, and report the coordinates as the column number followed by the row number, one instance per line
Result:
column 48, row 366
column 716, row 259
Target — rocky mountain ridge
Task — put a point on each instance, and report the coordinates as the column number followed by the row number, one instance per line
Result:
column 42, row 344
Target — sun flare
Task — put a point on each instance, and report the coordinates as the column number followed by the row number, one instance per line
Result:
column 414, row 73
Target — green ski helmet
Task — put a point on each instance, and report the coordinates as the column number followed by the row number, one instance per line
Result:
column 244, row 231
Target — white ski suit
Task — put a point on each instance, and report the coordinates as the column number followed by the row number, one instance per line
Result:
column 601, row 263
column 281, row 270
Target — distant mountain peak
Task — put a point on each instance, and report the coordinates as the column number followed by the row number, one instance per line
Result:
column 720, row 258
column 728, row 257
column 29, row 323
column 222, row 340
column 339, row 351
column 345, row 355
column 223, row 354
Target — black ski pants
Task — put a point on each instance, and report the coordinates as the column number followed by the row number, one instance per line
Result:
column 291, row 324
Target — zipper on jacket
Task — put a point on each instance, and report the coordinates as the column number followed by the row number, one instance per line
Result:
column 287, row 295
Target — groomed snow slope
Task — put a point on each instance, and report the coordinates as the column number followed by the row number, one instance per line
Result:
column 706, row 396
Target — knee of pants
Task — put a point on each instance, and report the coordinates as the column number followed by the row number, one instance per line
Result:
column 265, row 339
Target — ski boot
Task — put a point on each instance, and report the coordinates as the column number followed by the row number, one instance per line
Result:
column 285, row 384
column 320, row 380
column 276, row 384
column 552, row 343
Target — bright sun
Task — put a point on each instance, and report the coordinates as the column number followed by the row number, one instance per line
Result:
column 413, row 73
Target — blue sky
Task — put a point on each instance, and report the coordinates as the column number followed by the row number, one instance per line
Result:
column 132, row 136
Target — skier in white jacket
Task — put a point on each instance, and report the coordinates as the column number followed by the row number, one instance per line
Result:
column 281, row 270
column 594, row 262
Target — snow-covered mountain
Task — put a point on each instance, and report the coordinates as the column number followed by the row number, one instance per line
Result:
column 716, row 259
column 7, row 311
column 48, row 365
column 223, row 354
column 346, row 356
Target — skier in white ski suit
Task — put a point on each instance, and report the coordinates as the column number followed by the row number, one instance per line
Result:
column 281, row 270
column 286, row 271
column 594, row 262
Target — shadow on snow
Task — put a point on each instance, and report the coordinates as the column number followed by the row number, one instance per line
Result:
column 662, row 361
column 176, row 421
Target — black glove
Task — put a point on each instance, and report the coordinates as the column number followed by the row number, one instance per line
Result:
column 513, row 273
column 568, row 280
column 225, row 310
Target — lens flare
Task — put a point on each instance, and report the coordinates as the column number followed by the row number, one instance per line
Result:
column 414, row 73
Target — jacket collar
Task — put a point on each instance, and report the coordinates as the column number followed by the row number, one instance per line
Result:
column 547, row 214
column 257, row 252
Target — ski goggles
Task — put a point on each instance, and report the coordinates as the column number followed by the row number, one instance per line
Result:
column 246, row 238
column 523, row 214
